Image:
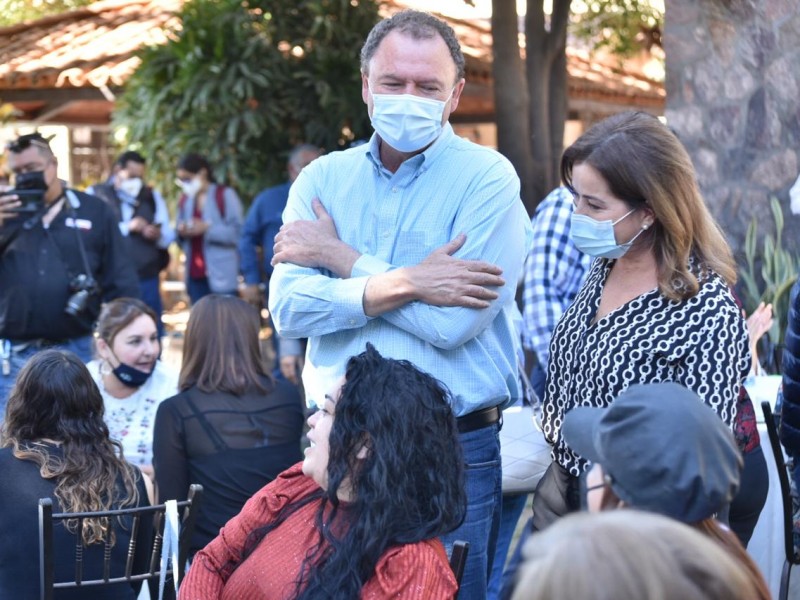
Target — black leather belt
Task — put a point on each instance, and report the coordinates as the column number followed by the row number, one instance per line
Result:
column 479, row 419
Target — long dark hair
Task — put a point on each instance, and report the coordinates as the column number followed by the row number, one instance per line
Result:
column 221, row 351
column 409, row 488
column 56, row 400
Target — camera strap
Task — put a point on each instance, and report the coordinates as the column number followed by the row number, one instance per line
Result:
column 81, row 248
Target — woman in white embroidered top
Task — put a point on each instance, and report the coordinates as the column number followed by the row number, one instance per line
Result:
column 656, row 305
column 132, row 379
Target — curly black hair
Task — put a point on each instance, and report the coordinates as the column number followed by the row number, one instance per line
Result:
column 409, row 487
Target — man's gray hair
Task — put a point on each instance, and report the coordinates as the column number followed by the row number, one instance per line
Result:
column 420, row 26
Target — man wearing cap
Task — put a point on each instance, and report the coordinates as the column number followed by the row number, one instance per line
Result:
column 59, row 260
column 413, row 242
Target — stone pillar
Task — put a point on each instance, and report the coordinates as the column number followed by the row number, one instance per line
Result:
column 733, row 97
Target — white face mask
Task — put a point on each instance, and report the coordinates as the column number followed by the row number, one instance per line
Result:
column 191, row 187
column 406, row 122
column 596, row 238
column 131, row 186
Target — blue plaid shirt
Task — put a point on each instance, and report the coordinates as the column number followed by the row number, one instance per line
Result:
column 554, row 272
column 395, row 220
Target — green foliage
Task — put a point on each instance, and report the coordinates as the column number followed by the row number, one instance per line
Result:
column 624, row 27
column 243, row 81
column 771, row 271
column 17, row 11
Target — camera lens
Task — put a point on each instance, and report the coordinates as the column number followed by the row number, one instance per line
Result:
column 76, row 303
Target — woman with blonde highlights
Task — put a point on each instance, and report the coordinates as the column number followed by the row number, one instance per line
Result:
column 656, row 305
column 55, row 444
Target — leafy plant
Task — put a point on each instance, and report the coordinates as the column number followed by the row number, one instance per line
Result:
column 242, row 81
column 16, row 11
column 771, row 272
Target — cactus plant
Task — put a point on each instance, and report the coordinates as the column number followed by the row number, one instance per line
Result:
column 771, row 282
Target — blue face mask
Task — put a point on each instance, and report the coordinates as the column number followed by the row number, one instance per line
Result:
column 406, row 122
column 596, row 238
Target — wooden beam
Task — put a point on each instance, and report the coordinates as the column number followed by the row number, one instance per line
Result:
column 50, row 95
column 51, row 109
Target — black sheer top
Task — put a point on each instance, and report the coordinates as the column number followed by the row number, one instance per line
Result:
column 231, row 445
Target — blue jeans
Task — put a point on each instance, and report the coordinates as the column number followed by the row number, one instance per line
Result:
column 197, row 288
column 151, row 295
column 81, row 346
column 483, row 481
column 513, row 505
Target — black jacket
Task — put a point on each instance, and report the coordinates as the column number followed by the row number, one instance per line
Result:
column 39, row 265
column 146, row 255
column 790, row 411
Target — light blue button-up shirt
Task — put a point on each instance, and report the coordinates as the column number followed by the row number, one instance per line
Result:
column 396, row 220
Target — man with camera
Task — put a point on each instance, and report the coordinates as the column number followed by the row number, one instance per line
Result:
column 61, row 255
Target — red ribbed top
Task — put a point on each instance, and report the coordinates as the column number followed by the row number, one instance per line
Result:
column 410, row 572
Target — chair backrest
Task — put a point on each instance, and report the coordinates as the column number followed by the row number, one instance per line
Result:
column 790, row 558
column 783, row 479
column 458, row 559
column 140, row 518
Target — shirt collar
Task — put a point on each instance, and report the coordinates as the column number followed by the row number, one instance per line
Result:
column 426, row 157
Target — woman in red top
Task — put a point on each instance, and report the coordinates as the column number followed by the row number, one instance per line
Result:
column 359, row 517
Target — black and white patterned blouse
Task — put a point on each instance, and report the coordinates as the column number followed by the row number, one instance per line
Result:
column 701, row 343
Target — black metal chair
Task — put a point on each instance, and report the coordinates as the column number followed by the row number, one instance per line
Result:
column 140, row 517
column 790, row 558
column 458, row 559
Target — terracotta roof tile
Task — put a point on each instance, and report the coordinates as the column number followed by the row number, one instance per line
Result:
column 96, row 45
column 92, row 46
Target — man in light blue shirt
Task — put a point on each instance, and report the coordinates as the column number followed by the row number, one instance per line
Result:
column 413, row 242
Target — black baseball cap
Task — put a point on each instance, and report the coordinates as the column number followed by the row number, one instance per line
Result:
column 662, row 448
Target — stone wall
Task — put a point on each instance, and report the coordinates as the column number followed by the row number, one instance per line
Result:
column 733, row 97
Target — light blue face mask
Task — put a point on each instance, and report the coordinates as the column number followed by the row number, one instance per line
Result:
column 406, row 122
column 596, row 238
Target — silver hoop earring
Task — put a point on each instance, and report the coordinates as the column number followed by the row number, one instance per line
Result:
column 105, row 368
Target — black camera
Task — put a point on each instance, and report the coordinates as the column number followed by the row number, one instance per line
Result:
column 30, row 190
column 83, row 287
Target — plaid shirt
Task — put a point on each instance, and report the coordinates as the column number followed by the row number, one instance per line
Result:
column 554, row 272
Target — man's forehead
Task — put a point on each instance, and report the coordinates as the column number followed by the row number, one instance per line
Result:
column 31, row 156
column 133, row 168
column 400, row 49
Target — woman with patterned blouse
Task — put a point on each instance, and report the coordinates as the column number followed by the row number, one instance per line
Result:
column 656, row 305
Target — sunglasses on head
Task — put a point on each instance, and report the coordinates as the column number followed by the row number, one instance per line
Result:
column 27, row 140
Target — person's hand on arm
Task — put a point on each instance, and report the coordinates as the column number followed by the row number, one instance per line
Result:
column 439, row 280
column 315, row 244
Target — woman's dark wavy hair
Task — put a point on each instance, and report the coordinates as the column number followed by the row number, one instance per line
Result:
column 409, row 488
column 55, row 398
